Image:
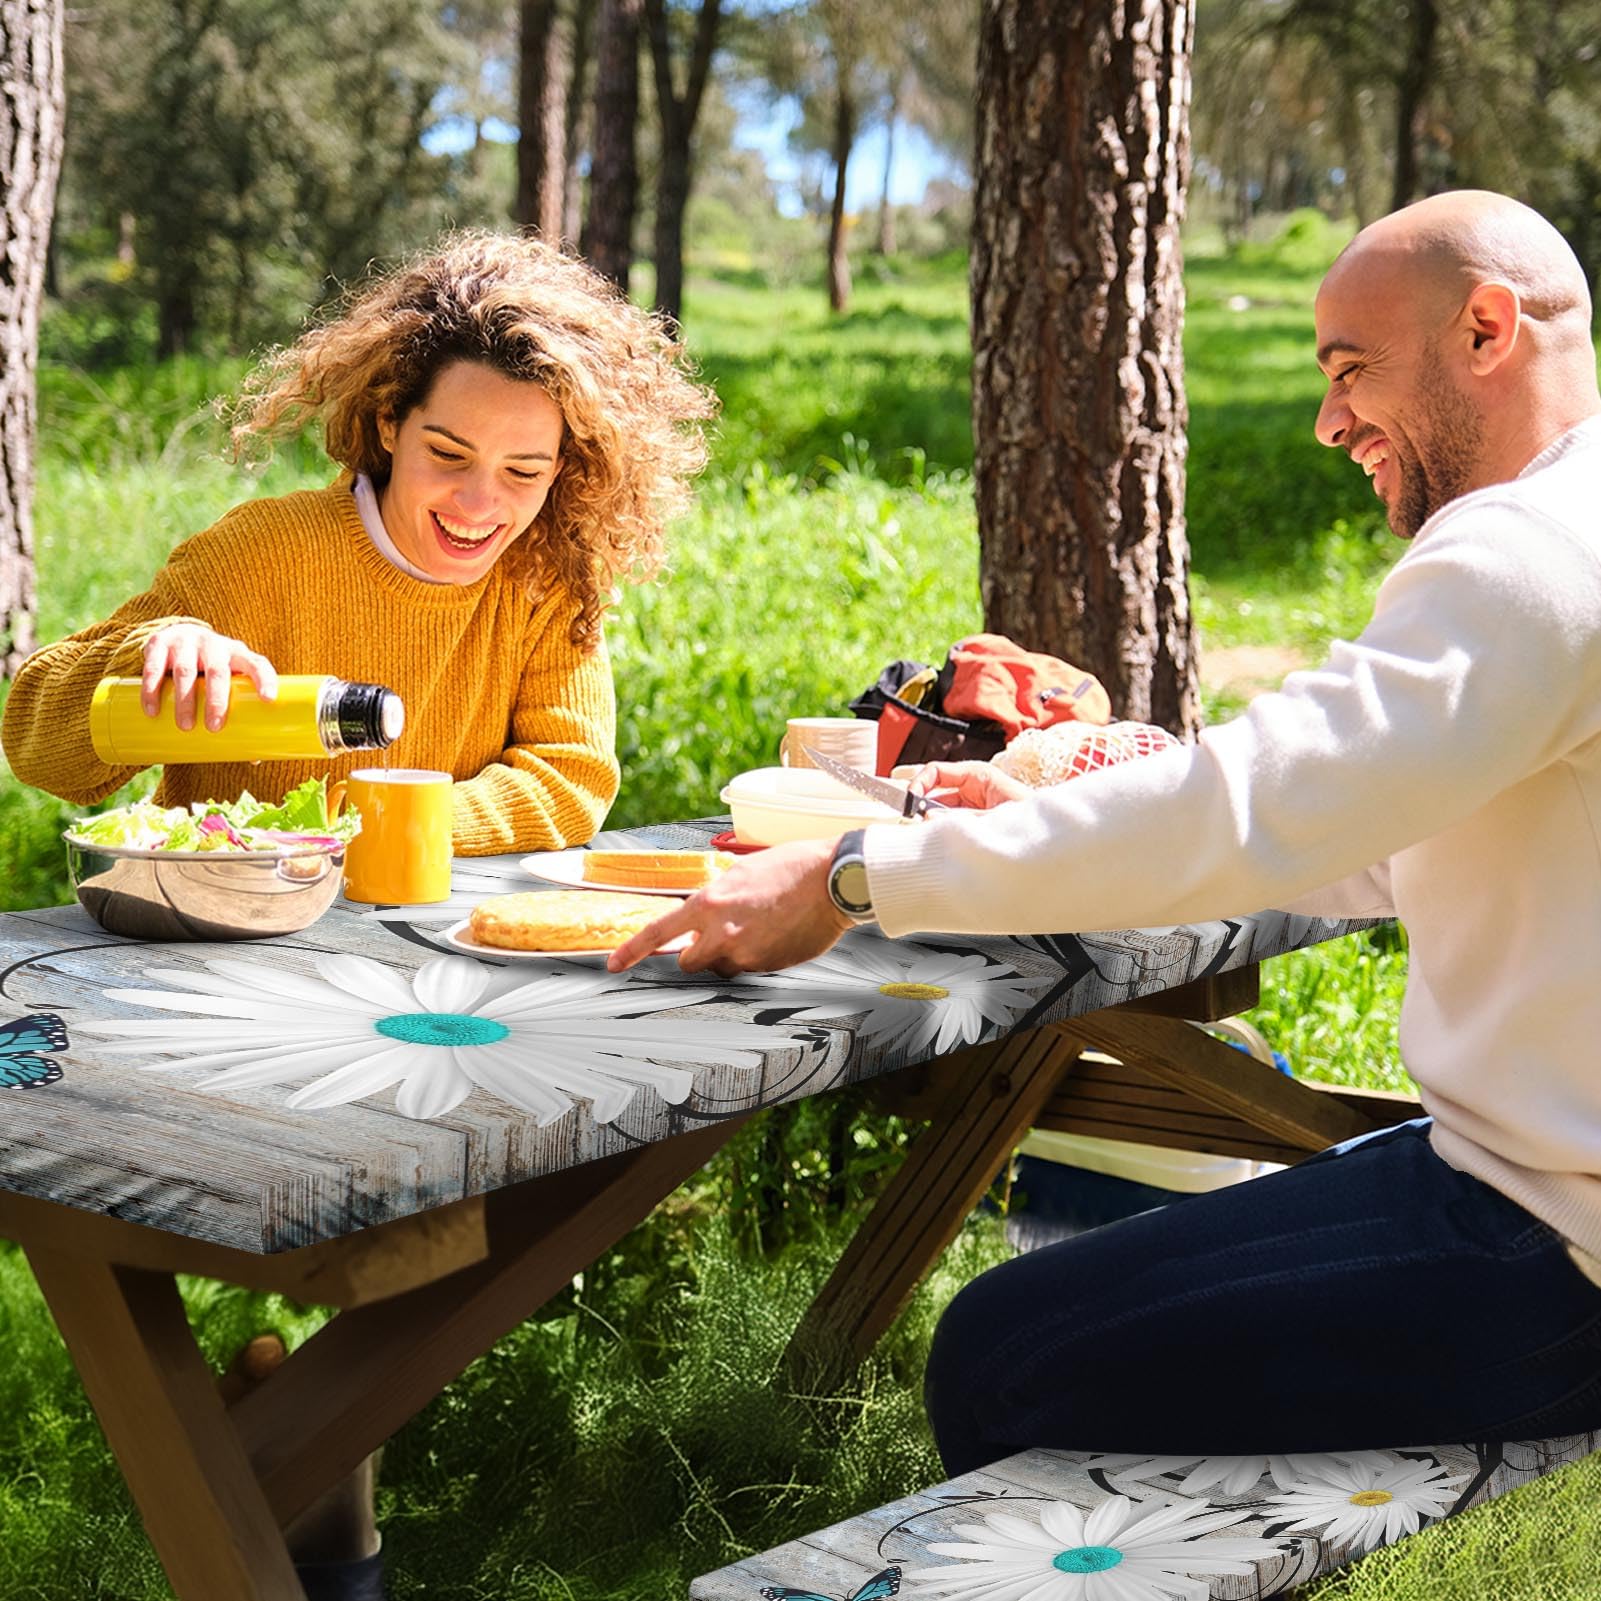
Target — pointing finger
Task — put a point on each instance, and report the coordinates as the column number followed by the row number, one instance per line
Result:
column 651, row 938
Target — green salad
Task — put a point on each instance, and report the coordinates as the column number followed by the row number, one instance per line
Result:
column 300, row 818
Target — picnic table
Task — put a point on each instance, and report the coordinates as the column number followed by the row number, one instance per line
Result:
column 225, row 1110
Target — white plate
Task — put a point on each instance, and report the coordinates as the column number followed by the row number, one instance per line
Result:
column 567, row 867
column 458, row 937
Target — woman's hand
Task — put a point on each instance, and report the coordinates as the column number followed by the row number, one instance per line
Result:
column 185, row 651
column 975, row 784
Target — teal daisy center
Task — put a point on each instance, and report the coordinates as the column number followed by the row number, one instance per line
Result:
column 442, row 1028
column 1087, row 1559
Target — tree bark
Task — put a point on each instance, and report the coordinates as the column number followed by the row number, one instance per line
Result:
column 541, row 119
column 583, row 38
column 839, row 266
column 1079, row 412
column 614, row 171
column 1412, row 90
column 31, row 122
column 677, row 116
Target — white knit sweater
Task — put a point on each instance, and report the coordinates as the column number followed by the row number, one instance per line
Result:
column 1457, row 742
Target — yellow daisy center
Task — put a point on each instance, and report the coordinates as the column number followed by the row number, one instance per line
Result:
column 914, row 992
column 1371, row 1498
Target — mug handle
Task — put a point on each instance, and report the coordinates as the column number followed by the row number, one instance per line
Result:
column 336, row 800
column 783, row 749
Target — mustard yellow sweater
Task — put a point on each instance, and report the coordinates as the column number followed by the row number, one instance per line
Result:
column 495, row 692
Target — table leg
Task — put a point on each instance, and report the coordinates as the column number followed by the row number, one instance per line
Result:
column 340, row 1525
column 984, row 1113
column 215, row 1485
column 361, row 1376
column 163, row 1418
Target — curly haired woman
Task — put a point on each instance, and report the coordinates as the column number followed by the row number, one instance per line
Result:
column 513, row 436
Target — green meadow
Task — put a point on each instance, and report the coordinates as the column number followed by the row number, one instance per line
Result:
column 636, row 1432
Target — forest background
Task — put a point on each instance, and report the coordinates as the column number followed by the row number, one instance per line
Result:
column 231, row 165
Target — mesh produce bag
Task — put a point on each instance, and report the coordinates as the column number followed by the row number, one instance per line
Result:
column 1041, row 756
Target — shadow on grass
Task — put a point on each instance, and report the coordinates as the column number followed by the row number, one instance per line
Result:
column 895, row 316
column 796, row 409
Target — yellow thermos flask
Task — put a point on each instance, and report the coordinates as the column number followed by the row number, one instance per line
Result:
column 313, row 716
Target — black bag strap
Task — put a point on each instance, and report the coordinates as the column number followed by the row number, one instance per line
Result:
column 870, row 703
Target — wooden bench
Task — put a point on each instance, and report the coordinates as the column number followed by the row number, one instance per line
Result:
column 1225, row 1501
column 1140, row 1070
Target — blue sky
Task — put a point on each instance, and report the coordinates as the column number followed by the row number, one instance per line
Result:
column 764, row 127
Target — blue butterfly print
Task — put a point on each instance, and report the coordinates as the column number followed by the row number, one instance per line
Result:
column 21, row 1067
column 881, row 1585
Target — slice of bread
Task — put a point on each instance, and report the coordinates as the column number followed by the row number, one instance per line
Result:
column 562, row 919
column 655, row 869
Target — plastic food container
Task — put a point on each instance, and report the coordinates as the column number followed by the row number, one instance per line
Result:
column 774, row 805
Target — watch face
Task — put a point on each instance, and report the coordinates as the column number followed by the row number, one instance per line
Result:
column 849, row 887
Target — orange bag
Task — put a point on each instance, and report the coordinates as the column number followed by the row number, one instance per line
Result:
column 992, row 678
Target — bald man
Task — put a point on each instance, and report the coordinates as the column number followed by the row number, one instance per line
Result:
column 1440, row 1281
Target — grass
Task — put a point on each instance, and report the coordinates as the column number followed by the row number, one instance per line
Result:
column 1537, row 1543
column 578, row 1459
column 835, row 530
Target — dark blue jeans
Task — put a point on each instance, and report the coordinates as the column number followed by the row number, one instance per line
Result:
column 1371, row 1296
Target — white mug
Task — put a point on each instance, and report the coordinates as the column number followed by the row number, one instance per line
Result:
column 852, row 740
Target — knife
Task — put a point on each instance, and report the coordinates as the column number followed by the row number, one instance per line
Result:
column 881, row 789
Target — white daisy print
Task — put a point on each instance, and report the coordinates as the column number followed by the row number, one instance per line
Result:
column 1355, row 1503
column 1232, row 1475
column 457, row 1026
column 1121, row 1551
column 913, row 997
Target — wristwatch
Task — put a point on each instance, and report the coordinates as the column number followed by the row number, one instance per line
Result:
column 847, row 878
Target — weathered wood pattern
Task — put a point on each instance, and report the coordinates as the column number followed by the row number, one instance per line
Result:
column 839, row 1560
column 242, row 1169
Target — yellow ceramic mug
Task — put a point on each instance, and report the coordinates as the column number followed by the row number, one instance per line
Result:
column 401, row 857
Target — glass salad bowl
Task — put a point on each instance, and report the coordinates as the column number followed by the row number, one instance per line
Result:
column 143, row 893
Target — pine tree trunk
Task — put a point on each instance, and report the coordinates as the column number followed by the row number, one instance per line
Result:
column 672, row 195
column 1411, row 91
column 1078, row 304
column 886, row 211
column 1353, row 145
column 614, row 172
column 541, row 119
column 839, row 266
column 677, row 115
column 578, row 119
column 177, row 317
column 30, row 160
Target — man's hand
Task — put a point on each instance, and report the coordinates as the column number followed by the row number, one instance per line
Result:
column 975, row 784
column 187, row 651
column 766, row 912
